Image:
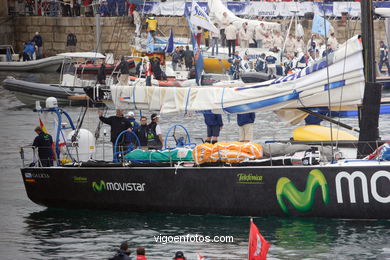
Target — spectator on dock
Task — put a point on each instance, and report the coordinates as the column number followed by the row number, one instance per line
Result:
column 39, row 43
column 121, row 7
column 214, row 41
column 112, row 7
column 137, row 23
column 225, row 22
column 66, row 8
column 384, row 57
column 231, row 37
column 260, row 31
column 71, row 42
column 103, row 9
column 244, row 36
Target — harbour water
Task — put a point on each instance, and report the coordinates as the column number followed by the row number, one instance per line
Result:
column 35, row 232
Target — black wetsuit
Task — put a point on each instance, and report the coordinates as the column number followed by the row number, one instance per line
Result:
column 44, row 144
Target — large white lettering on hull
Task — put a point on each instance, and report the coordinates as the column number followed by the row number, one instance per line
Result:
column 363, row 180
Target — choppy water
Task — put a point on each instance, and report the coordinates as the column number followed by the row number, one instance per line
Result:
column 34, row 232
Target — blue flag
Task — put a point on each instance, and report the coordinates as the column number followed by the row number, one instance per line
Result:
column 150, row 43
column 320, row 26
column 169, row 46
column 198, row 57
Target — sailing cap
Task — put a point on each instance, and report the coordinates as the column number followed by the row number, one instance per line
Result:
column 130, row 113
column 154, row 116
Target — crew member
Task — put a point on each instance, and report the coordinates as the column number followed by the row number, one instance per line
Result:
column 118, row 124
column 214, row 125
column 245, row 123
column 155, row 139
column 44, row 143
column 142, row 132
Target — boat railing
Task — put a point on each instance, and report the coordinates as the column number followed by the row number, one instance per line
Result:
column 29, row 156
column 317, row 153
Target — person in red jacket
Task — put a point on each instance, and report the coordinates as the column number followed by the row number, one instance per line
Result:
column 141, row 254
column 179, row 256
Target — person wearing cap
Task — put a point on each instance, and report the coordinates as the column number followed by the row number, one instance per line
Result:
column 179, row 255
column 44, row 143
column 134, row 124
column 39, row 43
column 130, row 139
column 155, row 139
column 123, row 253
column 214, row 125
column 118, row 124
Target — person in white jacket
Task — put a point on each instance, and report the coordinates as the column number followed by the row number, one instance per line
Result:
column 225, row 22
column 244, row 36
column 290, row 45
column 137, row 23
column 260, row 31
column 278, row 40
column 231, row 37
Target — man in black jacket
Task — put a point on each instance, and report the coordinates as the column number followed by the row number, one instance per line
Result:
column 118, row 124
column 39, row 42
column 123, row 253
column 44, row 143
column 142, row 132
column 71, row 41
column 124, row 69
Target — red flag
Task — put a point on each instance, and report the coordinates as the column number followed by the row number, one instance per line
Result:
column 42, row 125
column 258, row 246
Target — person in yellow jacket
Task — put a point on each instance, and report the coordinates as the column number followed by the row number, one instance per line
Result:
column 151, row 23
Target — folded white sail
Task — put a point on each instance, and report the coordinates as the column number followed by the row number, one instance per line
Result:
column 338, row 80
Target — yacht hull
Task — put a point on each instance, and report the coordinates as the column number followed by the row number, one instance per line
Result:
column 353, row 192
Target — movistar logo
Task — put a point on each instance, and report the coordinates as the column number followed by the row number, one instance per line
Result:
column 98, row 187
column 302, row 201
column 118, row 186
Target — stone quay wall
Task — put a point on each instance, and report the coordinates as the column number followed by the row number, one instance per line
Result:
column 117, row 33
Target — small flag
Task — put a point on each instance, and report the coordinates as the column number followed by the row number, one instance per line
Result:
column 150, row 43
column 258, row 246
column 320, row 26
column 200, row 18
column 42, row 125
column 169, row 46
